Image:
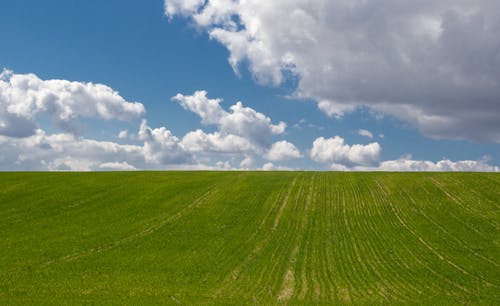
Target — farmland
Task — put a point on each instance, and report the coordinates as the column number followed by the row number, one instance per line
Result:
column 249, row 237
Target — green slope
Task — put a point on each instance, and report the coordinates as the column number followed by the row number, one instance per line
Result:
column 249, row 238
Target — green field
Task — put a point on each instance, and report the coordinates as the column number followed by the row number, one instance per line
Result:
column 249, row 238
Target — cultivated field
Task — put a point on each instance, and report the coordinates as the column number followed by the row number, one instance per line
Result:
column 249, row 237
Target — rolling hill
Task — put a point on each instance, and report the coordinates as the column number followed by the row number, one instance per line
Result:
column 249, row 238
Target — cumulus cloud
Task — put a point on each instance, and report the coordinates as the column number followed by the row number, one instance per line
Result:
column 64, row 151
column 408, row 164
column 24, row 97
column 243, row 136
column 25, row 100
column 118, row 166
column 42, row 151
column 365, row 133
column 434, row 64
column 239, row 130
column 209, row 110
column 242, row 132
column 268, row 167
column 200, row 141
column 335, row 151
column 272, row 167
column 253, row 125
column 341, row 157
column 283, row 150
column 161, row 146
column 247, row 162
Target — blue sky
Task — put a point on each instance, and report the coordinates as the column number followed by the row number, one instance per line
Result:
column 150, row 51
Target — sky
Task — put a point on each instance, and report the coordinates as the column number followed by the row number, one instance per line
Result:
column 385, row 85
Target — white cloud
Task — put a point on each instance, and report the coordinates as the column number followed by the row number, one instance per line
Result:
column 199, row 141
column 183, row 7
column 434, row 64
column 69, row 164
column 241, row 132
column 268, row 167
column 43, row 151
column 240, row 129
column 223, row 165
column 162, row 150
column 247, row 163
column 162, row 147
column 24, row 97
column 272, row 167
column 408, row 164
column 209, row 110
column 123, row 134
column 64, row 151
column 25, row 100
column 365, row 133
column 336, row 109
column 243, row 136
column 246, row 122
column 335, row 151
column 283, row 150
column 120, row 166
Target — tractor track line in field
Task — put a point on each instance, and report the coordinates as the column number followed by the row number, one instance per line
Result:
column 463, row 205
column 259, row 245
column 283, row 204
column 289, row 279
column 375, row 260
column 416, row 258
column 145, row 232
column 446, row 232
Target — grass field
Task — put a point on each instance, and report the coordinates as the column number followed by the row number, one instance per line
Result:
column 249, row 238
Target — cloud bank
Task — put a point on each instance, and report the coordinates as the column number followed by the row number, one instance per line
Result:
column 243, row 138
column 243, row 135
column 408, row 164
column 434, row 64
column 336, row 155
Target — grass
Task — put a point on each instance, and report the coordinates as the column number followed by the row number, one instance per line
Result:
column 249, row 238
